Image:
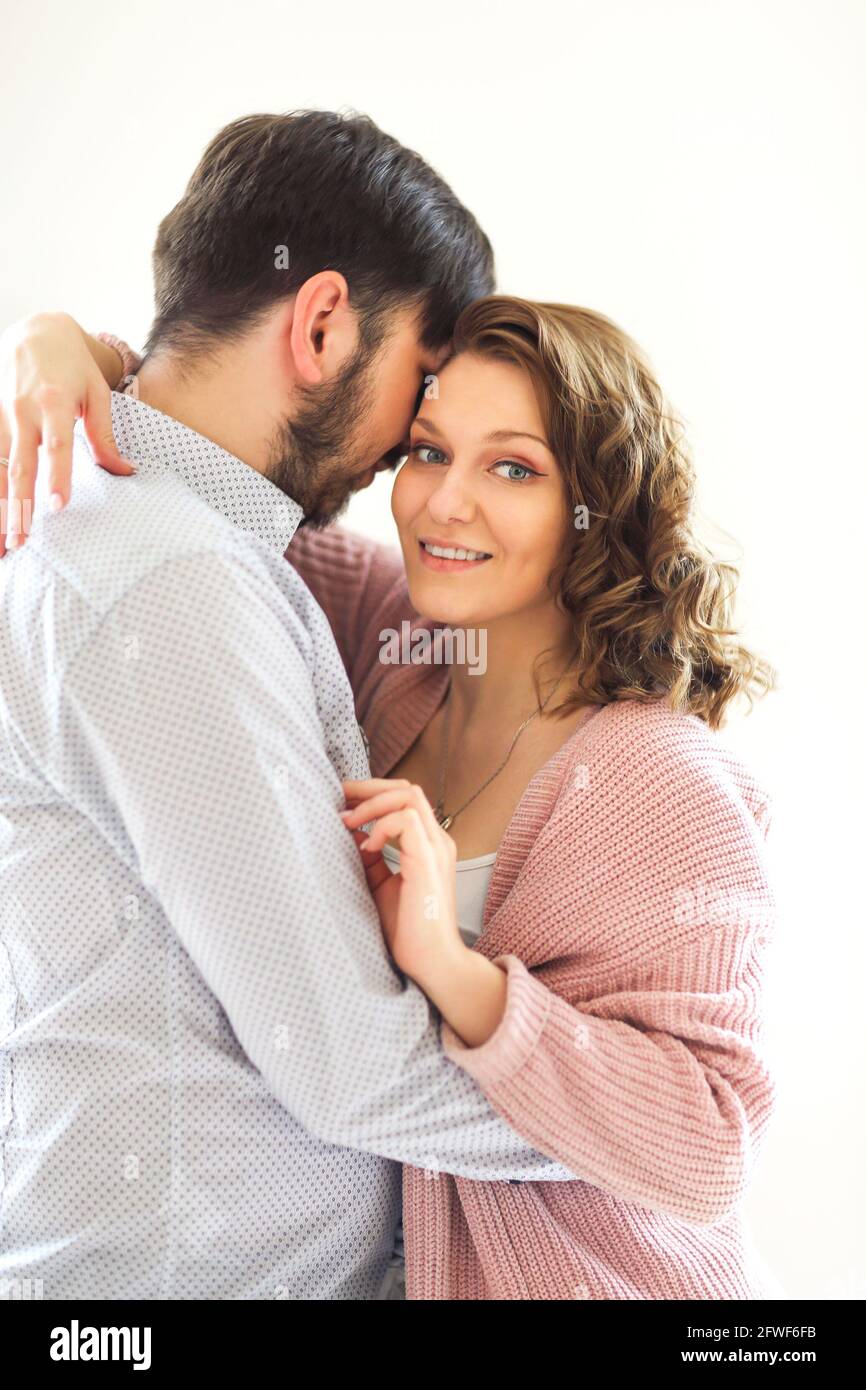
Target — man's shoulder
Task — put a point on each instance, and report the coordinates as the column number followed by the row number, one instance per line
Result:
column 116, row 537
column 114, row 531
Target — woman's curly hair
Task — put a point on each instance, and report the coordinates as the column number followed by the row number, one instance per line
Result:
column 651, row 608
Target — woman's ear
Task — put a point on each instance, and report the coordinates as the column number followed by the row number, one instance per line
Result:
column 324, row 330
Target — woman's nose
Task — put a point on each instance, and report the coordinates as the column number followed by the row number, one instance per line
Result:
column 452, row 499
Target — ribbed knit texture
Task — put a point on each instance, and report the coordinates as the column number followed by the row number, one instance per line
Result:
column 631, row 907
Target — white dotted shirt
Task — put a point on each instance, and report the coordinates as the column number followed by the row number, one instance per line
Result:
column 210, row 1069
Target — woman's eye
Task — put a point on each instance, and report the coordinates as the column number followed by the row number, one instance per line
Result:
column 517, row 472
column 420, row 452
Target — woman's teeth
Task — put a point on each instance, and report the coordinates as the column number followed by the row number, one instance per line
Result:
column 447, row 553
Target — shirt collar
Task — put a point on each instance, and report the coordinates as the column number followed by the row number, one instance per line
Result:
column 155, row 442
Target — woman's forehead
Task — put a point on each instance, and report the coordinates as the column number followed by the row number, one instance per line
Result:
column 472, row 388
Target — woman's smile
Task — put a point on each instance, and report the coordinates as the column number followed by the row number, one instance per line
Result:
column 450, row 559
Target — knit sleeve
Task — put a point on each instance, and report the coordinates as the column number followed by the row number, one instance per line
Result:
column 129, row 358
column 652, row 1086
column 359, row 583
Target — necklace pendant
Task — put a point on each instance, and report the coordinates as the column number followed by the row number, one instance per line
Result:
column 443, row 820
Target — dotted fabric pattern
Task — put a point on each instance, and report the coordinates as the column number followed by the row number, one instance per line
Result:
column 210, row 1069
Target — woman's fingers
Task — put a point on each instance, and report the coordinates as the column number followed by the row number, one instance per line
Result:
column 54, row 433
column 422, row 894
column 405, row 827
column 375, row 868
column 99, row 429
column 397, row 818
column 394, row 796
column 57, row 437
column 23, row 456
column 48, row 379
column 360, row 838
column 374, row 806
column 368, row 786
column 57, row 426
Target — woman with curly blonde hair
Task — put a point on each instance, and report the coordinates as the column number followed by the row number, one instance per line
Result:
column 564, row 854
column 581, row 886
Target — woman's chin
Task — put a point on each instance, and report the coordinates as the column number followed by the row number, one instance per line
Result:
column 435, row 610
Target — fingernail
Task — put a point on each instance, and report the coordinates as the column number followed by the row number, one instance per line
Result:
column 13, row 540
column 364, row 844
column 55, row 501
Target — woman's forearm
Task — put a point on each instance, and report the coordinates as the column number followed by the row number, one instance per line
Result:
column 470, row 993
column 106, row 358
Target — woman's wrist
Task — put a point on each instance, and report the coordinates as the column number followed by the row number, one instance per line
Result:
column 108, row 359
column 469, row 991
column 113, row 356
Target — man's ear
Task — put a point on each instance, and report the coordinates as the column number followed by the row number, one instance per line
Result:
column 324, row 331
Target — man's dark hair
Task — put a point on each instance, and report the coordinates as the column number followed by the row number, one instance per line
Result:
column 338, row 194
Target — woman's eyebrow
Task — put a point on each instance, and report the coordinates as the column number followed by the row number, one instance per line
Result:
column 499, row 435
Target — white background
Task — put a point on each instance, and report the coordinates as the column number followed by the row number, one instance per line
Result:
column 696, row 172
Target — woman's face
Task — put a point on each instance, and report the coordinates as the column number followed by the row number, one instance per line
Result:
column 481, row 478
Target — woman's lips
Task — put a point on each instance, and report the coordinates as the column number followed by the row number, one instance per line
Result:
column 443, row 566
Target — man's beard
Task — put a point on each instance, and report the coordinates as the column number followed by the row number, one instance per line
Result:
column 314, row 458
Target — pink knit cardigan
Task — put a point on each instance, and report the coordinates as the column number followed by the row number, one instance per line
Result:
column 631, row 908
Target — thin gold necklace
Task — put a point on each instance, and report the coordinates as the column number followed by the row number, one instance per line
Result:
column 444, row 820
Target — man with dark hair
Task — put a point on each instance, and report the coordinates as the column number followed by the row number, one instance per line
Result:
column 337, row 192
column 369, row 241
column 214, row 1071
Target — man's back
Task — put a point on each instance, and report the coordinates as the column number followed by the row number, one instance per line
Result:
column 144, row 1155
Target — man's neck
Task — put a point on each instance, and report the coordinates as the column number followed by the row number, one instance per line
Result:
column 218, row 403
